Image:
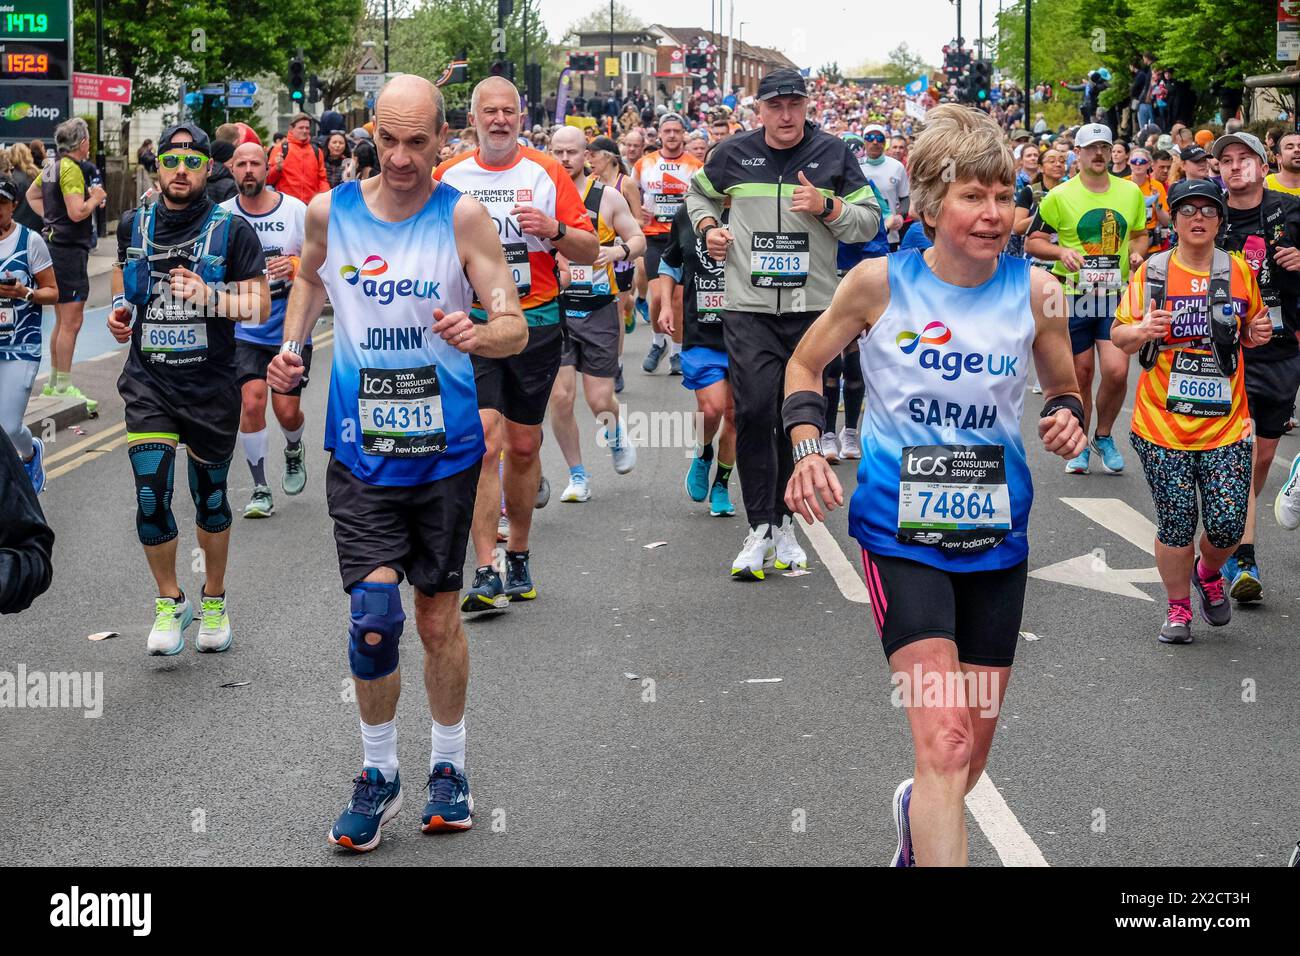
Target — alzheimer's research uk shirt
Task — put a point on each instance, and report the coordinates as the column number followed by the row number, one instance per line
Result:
column 532, row 179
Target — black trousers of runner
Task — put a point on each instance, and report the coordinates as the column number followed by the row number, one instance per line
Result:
column 758, row 348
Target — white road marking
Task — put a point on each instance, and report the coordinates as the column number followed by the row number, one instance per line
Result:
column 1120, row 517
column 1013, row 845
column 847, row 579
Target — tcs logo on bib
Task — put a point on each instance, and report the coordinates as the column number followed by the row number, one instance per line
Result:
column 951, row 364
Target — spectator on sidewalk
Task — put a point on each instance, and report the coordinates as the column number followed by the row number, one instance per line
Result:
column 298, row 164
column 24, row 173
column 26, row 286
column 66, row 193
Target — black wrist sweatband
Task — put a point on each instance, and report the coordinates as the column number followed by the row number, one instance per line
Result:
column 804, row 408
column 1054, row 405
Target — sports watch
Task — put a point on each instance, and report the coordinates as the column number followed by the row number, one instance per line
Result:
column 561, row 229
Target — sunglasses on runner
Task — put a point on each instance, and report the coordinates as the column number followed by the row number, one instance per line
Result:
column 873, row 138
column 1187, row 211
column 1139, row 162
column 191, row 160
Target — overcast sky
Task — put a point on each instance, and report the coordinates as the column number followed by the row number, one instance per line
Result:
column 834, row 30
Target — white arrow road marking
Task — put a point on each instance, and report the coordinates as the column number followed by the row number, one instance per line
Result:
column 1091, row 570
column 1120, row 517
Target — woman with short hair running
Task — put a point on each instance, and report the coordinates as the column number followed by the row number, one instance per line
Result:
column 943, row 498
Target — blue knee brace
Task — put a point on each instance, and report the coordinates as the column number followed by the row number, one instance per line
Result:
column 151, row 463
column 377, row 609
column 208, row 489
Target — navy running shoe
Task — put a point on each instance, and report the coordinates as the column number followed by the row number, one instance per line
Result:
column 902, row 804
column 519, row 582
column 654, row 357
column 450, row 806
column 374, row 802
column 487, row 593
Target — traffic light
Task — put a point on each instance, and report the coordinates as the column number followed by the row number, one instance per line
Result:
column 533, row 81
column 313, row 89
column 504, row 68
column 297, row 80
column 697, row 61
column 980, row 81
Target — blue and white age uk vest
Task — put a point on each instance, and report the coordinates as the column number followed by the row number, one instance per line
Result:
column 403, row 409
column 943, row 478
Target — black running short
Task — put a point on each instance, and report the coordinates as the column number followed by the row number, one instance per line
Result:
column 655, row 247
column 70, row 271
column 1270, row 394
column 209, row 429
column 980, row 611
column 519, row 387
column 251, row 361
column 419, row 531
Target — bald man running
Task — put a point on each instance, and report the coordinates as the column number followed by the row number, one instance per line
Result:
column 402, row 257
column 278, row 221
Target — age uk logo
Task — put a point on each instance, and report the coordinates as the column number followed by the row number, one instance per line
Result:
column 373, row 266
column 936, row 333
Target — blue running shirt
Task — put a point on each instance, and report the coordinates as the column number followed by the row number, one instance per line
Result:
column 943, row 478
column 403, row 409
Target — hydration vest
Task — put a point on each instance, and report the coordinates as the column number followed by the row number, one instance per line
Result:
column 1223, row 338
column 205, row 254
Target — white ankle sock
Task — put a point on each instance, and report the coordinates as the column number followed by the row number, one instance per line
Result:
column 379, row 742
column 449, row 744
column 675, row 348
column 295, row 436
column 660, row 339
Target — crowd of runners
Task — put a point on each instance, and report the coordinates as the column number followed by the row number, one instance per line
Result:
column 819, row 253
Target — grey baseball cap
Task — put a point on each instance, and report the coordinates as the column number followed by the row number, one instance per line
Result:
column 1250, row 141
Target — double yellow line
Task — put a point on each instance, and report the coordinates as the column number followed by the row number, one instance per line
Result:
column 89, row 449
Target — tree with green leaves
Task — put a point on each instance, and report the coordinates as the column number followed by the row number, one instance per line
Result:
column 831, row 72
column 163, row 43
column 904, row 65
column 440, row 30
column 625, row 20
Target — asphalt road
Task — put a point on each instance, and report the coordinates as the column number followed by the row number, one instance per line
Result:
column 1114, row 749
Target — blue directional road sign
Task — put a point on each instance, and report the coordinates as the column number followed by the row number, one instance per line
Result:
column 214, row 89
column 241, row 88
column 239, row 102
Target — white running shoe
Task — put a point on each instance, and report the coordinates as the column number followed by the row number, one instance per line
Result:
column 170, row 621
column 850, row 444
column 757, row 551
column 831, row 448
column 577, row 489
column 624, row 453
column 214, row 628
column 1286, row 506
column 789, row 553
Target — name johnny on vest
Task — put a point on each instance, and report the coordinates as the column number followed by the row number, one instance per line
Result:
column 76, row 909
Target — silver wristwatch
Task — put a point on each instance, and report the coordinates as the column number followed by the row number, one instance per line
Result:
column 809, row 446
column 292, row 345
